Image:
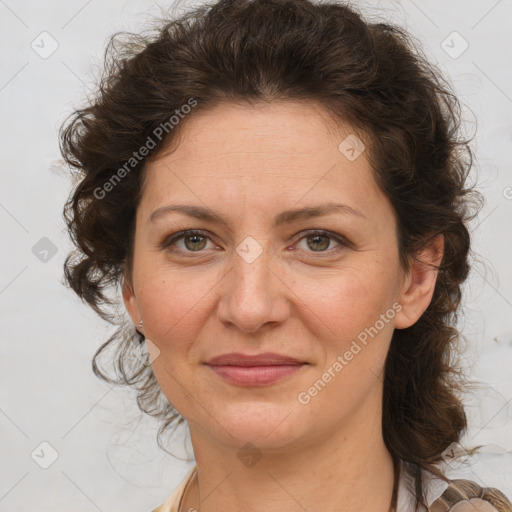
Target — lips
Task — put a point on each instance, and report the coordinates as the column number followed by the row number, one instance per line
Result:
column 266, row 359
column 254, row 370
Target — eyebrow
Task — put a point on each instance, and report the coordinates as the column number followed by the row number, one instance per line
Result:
column 282, row 218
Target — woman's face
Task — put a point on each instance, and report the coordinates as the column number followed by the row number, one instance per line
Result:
column 263, row 281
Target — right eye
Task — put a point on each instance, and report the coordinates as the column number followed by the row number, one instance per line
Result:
column 194, row 240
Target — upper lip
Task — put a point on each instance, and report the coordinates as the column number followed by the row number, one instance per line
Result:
column 264, row 359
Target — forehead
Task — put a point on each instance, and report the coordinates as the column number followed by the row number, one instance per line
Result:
column 288, row 130
column 256, row 156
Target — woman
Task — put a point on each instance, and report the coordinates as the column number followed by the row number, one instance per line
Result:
column 278, row 187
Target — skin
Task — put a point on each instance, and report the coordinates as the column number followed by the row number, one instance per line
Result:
column 248, row 164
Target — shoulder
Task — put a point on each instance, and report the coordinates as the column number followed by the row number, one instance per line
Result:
column 467, row 496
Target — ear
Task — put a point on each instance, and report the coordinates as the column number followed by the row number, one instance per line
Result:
column 418, row 286
column 130, row 301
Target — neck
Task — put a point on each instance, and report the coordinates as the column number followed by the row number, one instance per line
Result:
column 352, row 470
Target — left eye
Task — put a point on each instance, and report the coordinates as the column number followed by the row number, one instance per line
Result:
column 321, row 240
column 195, row 241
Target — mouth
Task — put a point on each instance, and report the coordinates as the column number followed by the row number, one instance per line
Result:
column 254, row 370
column 255, row 375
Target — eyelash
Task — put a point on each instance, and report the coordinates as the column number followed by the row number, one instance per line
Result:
column 344, row 243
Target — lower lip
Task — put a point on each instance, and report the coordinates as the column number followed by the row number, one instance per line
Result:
column 255, row 375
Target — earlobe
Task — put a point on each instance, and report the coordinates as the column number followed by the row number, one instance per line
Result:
column 419, row 284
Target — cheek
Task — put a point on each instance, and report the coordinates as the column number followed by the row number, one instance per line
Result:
column 173, row 308
column 344, row 315
column 171, row 305
column 344, row 303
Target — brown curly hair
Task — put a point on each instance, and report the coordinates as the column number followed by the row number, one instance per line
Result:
column 373, row 76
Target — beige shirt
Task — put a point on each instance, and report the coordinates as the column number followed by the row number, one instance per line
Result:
column 172, row 503
column 459, row 496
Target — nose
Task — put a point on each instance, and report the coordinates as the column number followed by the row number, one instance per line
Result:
column 253, row 295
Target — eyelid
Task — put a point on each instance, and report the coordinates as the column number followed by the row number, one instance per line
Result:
column 341, row 240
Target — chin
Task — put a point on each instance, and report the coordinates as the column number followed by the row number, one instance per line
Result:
column 266, row 425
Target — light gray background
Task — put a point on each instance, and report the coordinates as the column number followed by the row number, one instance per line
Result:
column 107, row 455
